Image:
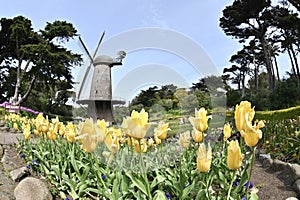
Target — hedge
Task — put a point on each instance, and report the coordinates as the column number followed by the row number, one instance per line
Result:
column 289, row 113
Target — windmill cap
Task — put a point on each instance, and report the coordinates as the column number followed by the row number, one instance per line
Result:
column 103, row 59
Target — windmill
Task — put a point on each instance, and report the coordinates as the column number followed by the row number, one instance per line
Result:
column 100, row 95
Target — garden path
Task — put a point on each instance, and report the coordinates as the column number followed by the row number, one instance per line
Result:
column 271, row 185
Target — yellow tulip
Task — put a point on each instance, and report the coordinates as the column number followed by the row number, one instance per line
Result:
column 252, row 134
column 102, row 130
column 112, row 143
column 27, row 132
column 234, row 155
column 197, row 135
column 204, row 158
column 162, row 130
column 16, row 127
column 70, row 136
column 157, row 140
column 62, row 130
column 240, row 114
column 140, row 148
column 227, row 132
column 137, row 124
column 51, row 134
column 150, row 142
column 129, row 141
column 116, row 132
column 185, row 139
column 200, row 120
column 88, row 135
column 70, row 132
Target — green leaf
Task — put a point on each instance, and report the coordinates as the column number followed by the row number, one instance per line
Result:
column 81, row 188
column 124, row 184
column 253, row 196
column 72, row 184
column 187, row 191
column 201, row 194
column 158, row 179
column 73, row 194
column 62, row 195
column 137, row 182
column 159, row 195
column 85, row 173
column 115, row 189
column 56, row 169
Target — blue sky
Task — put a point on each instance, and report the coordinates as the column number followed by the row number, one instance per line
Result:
column 196, row 20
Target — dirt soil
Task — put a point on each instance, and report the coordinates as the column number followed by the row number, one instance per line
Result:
column 271, row 185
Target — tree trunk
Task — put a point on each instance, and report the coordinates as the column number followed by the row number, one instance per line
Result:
column 297, row 69
column 243, row 84
column 276, row 68
column 18, row 84
column 292, row 62
column 255, row 73
column 268, row 63
column 22, row 99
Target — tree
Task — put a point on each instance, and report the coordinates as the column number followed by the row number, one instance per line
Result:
column 35, row 57
column 295, row 3
column 284, row 94
column 243, row 21
column 287, row 35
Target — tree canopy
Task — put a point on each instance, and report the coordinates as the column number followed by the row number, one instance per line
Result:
column 266, row 29
column 35, row 60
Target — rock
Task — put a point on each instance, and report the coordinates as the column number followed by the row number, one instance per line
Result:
column 264, row 156
column 18, row 174
column 1, row 151
column 4, row 157
column 267, row 163
column 32, row 189
column 296, row 186
column 278, row 165
column 291, row 198
column 296, row 171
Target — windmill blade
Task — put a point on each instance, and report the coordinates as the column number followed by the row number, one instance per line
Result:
column 85, row 49
column 83, row 81
column 99, row 44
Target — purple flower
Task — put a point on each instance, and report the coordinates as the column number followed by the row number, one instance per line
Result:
column 103, row 176
column 244, row 198
column 235, row 183
column 249, row 185
column 67, row 198
column 34, row 162
column 168, row 195
column 28, row 166
column 22, row 155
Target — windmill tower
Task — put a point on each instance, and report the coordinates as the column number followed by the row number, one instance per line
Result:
column 100, row 95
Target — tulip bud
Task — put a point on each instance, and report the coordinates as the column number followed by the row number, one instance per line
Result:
column 226, row 132
column 234, row 156
column 204, row 158
column 199, row 122
column 197, row 135
column 185, row 139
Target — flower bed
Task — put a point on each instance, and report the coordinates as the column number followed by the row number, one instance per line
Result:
column 130, row 162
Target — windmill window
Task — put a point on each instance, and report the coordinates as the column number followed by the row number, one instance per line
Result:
column 96, row 91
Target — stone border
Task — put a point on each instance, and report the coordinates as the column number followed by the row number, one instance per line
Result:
column 293, row 170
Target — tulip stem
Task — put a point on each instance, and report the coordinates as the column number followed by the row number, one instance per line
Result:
column 251, row 167
column 230, row 187
column 144, row 174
